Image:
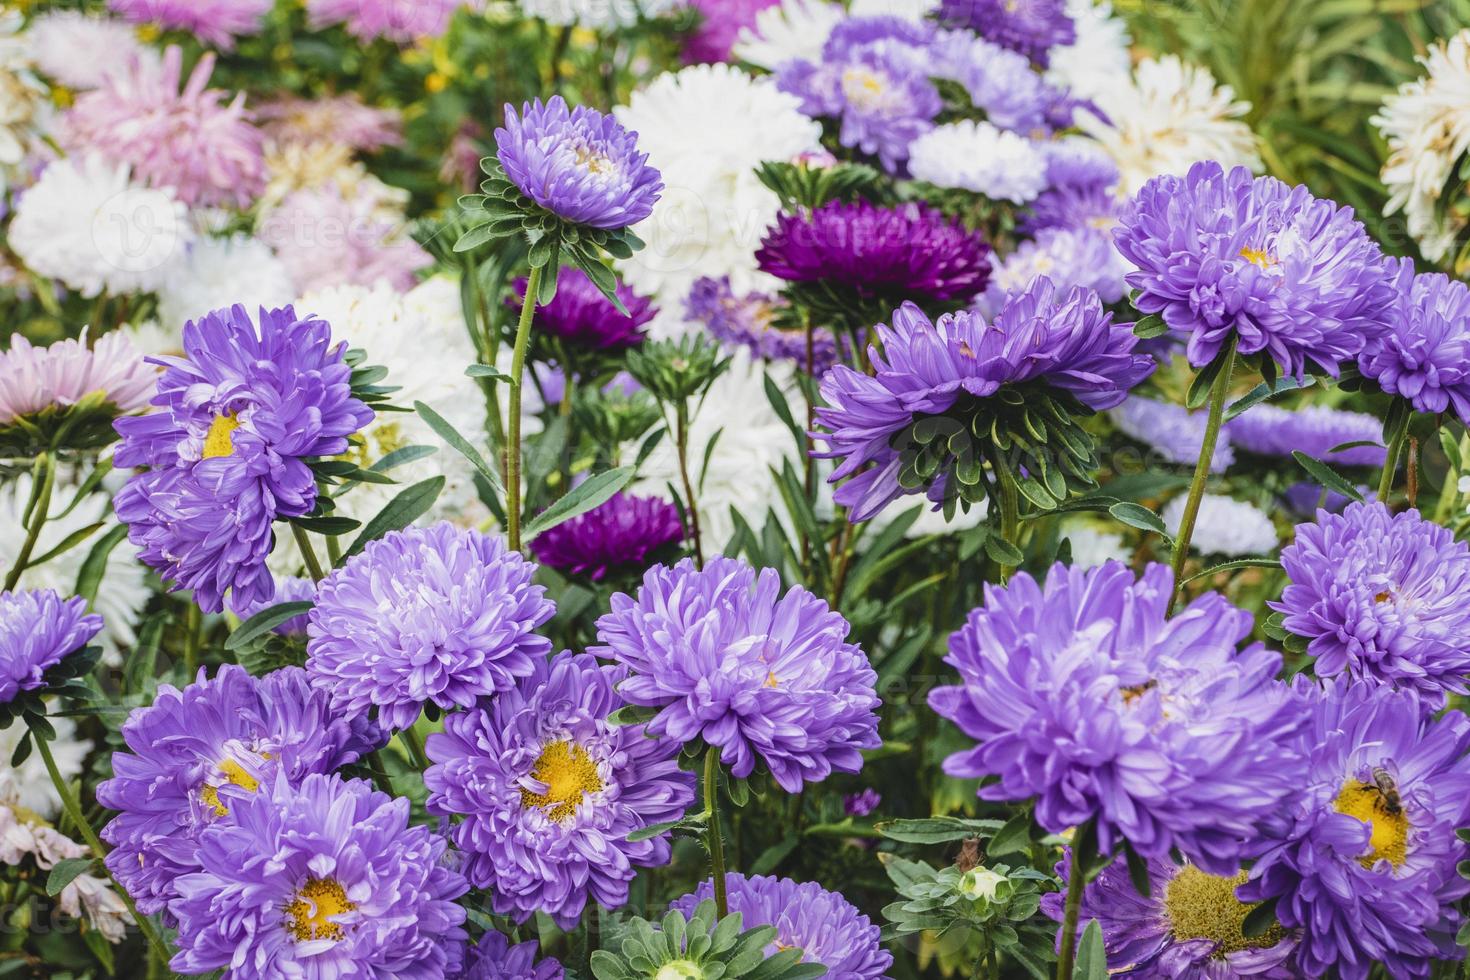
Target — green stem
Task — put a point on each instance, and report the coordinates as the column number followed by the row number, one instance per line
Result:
column 415, row 746
column 74, row 812
column 1218, row 392
column 513, row 447
column 1395, row 451
column 681, row 441
column 308, row 554
column 192, row 624
column 38, row 509
column 1072, row 911
column 712, row 831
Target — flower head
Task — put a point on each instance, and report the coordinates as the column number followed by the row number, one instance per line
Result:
column 80, row 50
column 38, row 381
column 216, row 22
column 721, row 23
column 38, row 630
column 578, row 164
column 1224, row 255
column 1364, row 864
column 617, row 535
column 728, row 659
column 293, row 589
column 975, row 156
column 1170, row 430
column 403, row 21
column 1068, row 257
column 1424, row 356
column 1224, row 526
column 550, row 790
column 1315, row 430
column 321, row 878
column 240, row 417
column 584, row 318
column 1031, row 27
column 753, row 321
column 217, row 273
column 1381, row 597
column 496, row 959
column 1084, row 695
column 826, row 927
column 1080, row 189
column 185, row 749
column 438, row 614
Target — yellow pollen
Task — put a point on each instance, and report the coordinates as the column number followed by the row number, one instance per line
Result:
column 771, row 680
column 569, row 774
column 1382, row 597
column 592, row 161
column 1131, row 694
column 235, row 775
column 1388, row 824
column 309, row 915
column 220, row 441
column 967, row 350
column 1257, row 257
column 1204, row 906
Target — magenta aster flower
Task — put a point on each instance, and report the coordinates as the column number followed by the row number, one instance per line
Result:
column 579, row 164
column 584, row 318
column 403, row 21
column 191, row 139
column 1084, row 695
column 216, row 22
column 1425, row 355
column 1031, row 27
column 33, row 379
column 550, row 790
column 720, row 24
column 38, row 630
column 727, row 658
column 438, row 614
column 321, row 879
column 617, row 535
column 1223, row 255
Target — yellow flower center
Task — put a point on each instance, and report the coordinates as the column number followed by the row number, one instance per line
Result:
column 1204, row 906
column 1257, row 257
column 569, row 774
column 592, row 161
column 1387, row 823
column 862, row 87
column 220, row 441
column 309, row 915
column 235, row 775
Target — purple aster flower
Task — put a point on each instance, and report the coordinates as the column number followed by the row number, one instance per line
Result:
column 1172, row 430
column 1068, row 257
column 727, row 658
column 1067, row 342
column 1012, row 93
column 751, row 322
column 320, row 879
column 1080, row 190
column 1425, row 354
column 1224, row 255
column 908, row 251
column 1086, row 696
column 578, row 164
column 189, row 745
column 1365, row 863
column 1031, row 27
column 439, row 614
column 861, row 804
column 827, row 928
column 39, row 629
column 496, row 959
column 1307, row 498
column 290, row 589
column 1381, row 597
column 549, row 791
column 216, row 22
column 617, row 535
column 403, row 21
column 1315, row 430
column 1190, row 926
column 239, row 417
column 584, row 318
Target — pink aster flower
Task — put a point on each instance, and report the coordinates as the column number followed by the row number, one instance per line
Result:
column 190, row 139
column 397, row 20
column 217, row 22
column 33, row 378
column 328, row 238
column 341, row 119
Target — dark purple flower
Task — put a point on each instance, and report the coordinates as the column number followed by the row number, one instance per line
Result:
column 292, row 589
column 906, row 252
column 1087, row 697
column 1190, row 926
column 1382, row 597
column 549, row 791
column 751, row 322
column 1425, row 354
column 720, row 24
column 496, row 959
column 239, row 418
column 617, row 535
column 438, row 614
column 321, row 879
column 1224, row 255
column 1067, row 342
column 727, row 658
column 861, row 804
column 583, row 317
column 1171, row 430
column 579, row 164
column 185, row 748
column 1365, row 864
column 827, row 928
column 38, row 630
column 1031, row 27
column 1315, row 430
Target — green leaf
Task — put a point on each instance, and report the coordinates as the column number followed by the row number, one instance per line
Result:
column 601, row 276
column 69, row 542
column 459, row 444
column 265, row 621
column 89, row 576
column 1199, row 389
column 1326, row 476
column 1150, row 327
column 476, row 237
column 401, row 457
column 1014, row 837
column 410, row 504
column 1262, row 392
column 771, row 858
column 486, row 371
column 1002, row 552
column 327, row 525
column 65, row 871
column 1238, row 563
column 590, row 493
column 1139, row 516
column 1137, row 870
column 1092, row 957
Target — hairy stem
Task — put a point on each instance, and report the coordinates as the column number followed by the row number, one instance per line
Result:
column 38, row 509
column 681, row 442
column 513, row 436
column 1218, row 392
column 712, row 830
column 308, row 554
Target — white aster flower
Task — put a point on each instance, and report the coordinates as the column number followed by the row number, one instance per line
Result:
column 86, row 224
column 30, row 784
column 1171, row 116
column 597, row 14
column 706, row 128
column 79, row 50
column 1091, row 547
column 1225, row 526
column 976, row 156
column 793, row 30
column 1098, row 61
column 216, row 273
column 1427, row 125
column 24, row 103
